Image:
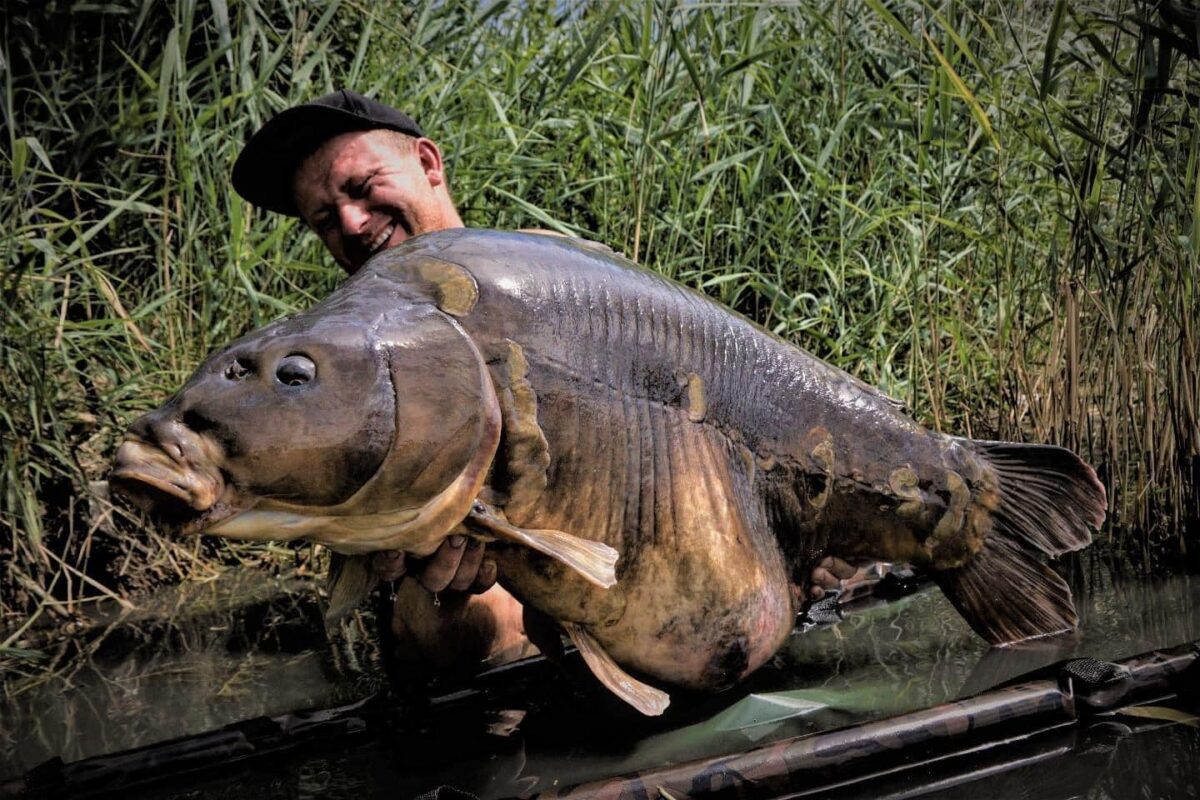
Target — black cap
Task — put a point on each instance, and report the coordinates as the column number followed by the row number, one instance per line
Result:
column 263, row 172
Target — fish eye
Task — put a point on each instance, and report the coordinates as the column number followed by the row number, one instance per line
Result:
column 295, row 370
column 237, row 369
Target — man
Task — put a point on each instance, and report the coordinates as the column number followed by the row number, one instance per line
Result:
column 364, row 177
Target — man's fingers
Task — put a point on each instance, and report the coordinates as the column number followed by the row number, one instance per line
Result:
column 486, row 577
column 829, row 575
column 468, row 567
column 388, row 565
column 442, row 566
column 458, row 564
column 824, row 579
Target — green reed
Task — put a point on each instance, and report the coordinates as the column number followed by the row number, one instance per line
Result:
column 988, row 210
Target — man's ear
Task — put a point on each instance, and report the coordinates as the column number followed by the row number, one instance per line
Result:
column 431, row 161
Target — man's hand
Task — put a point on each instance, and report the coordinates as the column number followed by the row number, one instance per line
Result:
column 458, row 565
column 474, row 621
column 852, row 580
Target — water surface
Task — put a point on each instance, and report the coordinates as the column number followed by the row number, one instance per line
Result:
column 248, row 646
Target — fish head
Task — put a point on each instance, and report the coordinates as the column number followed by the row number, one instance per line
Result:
column 362, row 424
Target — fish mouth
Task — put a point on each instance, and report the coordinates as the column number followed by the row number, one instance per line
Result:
column 185, row 498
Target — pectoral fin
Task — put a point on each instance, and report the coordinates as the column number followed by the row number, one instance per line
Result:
column 595, row 561
column 350, row 582
column 643, row 697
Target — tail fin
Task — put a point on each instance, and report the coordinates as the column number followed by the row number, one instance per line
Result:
column 1048, row 498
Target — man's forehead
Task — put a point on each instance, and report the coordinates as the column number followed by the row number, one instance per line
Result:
column 346, row 151
column 339, row 160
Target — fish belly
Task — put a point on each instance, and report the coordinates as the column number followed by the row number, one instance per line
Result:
column 702, row 595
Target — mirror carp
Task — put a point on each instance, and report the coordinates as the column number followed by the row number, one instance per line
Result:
column 657, row 467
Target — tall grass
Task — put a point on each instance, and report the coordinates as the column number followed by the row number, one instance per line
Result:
column 989, row 210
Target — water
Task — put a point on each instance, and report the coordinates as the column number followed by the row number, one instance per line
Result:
column 246, row 646
column 188, row 660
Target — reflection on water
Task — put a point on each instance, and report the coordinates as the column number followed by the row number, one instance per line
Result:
column 195, row 665
column 1106, row 760
column 188, row 660
column 919, row 651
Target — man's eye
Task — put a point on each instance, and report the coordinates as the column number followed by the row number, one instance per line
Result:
column 361, row 188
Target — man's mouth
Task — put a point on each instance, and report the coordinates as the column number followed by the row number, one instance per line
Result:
column 381, row 239
column 359, row 249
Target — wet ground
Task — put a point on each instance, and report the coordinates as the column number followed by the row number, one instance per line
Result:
column 201, row 657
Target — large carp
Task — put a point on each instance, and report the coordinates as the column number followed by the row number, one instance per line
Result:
column 550, row 394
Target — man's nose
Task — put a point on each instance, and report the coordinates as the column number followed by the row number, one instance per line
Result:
column 354, row 217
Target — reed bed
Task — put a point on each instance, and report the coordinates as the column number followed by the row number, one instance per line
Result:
column 990, row 210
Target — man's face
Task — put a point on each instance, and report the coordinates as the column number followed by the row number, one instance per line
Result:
column 365, row 191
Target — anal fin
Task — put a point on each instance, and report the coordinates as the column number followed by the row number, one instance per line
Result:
column 645, row 698
column 595, row 561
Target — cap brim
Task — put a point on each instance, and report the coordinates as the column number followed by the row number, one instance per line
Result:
column 264, row 170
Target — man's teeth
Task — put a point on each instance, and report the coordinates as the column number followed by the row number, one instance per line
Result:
column 383, row 236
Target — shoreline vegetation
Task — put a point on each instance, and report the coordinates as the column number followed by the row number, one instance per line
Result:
column 989, row 210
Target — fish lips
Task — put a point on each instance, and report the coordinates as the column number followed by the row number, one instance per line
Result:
column 183, row 497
